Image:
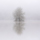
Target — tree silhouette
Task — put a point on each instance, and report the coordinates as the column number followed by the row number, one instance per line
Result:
column 19, row 20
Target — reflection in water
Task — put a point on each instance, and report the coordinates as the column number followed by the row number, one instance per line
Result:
column 19, row 21
column 19, row 27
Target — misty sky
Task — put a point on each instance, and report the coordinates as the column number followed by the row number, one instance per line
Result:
column 30, row 7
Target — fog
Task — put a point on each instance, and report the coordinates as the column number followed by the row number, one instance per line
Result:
column 31, row 8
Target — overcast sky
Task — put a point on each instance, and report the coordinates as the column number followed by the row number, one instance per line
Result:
column 30, row 7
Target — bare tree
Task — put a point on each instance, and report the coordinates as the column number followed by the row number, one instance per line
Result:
column 19, row 20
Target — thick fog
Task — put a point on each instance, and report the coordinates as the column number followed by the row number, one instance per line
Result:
column 31, row 30
column 30, row 7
